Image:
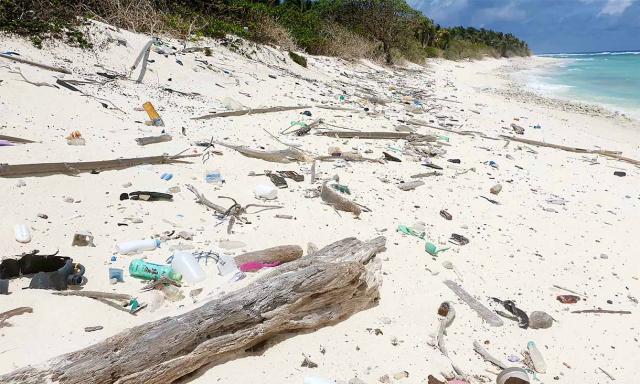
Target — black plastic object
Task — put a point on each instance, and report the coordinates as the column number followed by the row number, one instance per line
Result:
column 4, row 287
column 620, row 173
column 69, row 274
column 51, row 271
column 146, row 196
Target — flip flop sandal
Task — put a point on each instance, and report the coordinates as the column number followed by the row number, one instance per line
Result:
column 295, row 176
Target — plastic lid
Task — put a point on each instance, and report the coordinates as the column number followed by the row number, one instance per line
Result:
column 157, row 242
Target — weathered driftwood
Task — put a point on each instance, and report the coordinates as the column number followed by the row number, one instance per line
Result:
column 378, row 135
column 408, row 186
column 487, row 356
column 320, row 289
column 144, row 57
column 16, row 139
column 282, row 254
column 444, row 321
column 45, row 169
column 477, row 306
column 35, row 64
column 282, row 156
column 348, row 156
column 609, row 311
column 603, row 152
column 329, row 196
column 153, row 139
column 464, row 133
column 13, row 312
column 250, row 112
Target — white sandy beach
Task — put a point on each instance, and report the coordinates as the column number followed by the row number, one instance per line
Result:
column 564, row 219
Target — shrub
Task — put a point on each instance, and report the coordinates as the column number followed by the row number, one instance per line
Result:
column 298, row 59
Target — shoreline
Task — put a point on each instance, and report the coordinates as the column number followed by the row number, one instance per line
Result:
column 582, row 103
column 563, row 219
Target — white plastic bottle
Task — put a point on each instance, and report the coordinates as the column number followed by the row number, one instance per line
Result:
column 187, row 265
column 22, row 233
column 137, row 246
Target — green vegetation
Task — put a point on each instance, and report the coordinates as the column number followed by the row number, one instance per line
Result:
column 378, row 29
column 298, row 59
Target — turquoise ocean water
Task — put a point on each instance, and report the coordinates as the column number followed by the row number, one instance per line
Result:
column 607, row 78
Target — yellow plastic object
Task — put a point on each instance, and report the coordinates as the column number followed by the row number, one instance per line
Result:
column 153, row 114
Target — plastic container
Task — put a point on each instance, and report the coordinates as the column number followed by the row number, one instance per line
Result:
column 265, row 192
column 317, row 380
column 134, row 246
column 150, row 271
column 512, row 373
column 187, row 265
column 22, row 233
column 226, row 265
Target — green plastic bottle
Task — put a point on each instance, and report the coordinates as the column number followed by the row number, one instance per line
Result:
column 150, row 271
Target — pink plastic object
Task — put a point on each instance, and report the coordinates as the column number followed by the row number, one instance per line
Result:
column 256, row 266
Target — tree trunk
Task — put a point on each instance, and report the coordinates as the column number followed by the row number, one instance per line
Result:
column 319, row 289
column 387, row 51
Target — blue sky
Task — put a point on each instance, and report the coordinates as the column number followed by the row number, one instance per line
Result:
column 549, row 26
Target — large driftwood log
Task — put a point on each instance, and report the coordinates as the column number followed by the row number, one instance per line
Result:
column 282, row 254
column 46, row 169
column 319, row 289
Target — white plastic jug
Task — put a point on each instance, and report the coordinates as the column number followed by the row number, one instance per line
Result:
column 137, row 246
column 187, row 265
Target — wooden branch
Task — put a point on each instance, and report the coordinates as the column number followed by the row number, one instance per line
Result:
column 377, row 135
column 13, row 312
column 480, row 309
column 487, row 356
column 282, row 253
column 45, row 169
column 320, row 289
column 250, row 112
column 16, row 139
column 95, row 295
column 602, row 311
column 153, row 139
column 201, row 199
column 603, row 152
column 39, row 65
column 282, row 156
column 340, row 203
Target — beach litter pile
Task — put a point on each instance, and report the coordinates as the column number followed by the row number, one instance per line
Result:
column 190, row 184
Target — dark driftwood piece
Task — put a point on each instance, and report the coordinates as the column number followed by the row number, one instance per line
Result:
column 320, row 289
column 45, row 169
column 282, row 253
column 13, row 312
column 153, row 139
column 16, row 139
column 39, row 65
column 603, row 152
column 250, row 112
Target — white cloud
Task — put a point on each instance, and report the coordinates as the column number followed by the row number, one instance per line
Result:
column 507, row 12
column 615, row 7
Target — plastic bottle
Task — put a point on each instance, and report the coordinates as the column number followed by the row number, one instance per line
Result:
column 226, row 265
column 187, row 265
column 22, row 233
column 150, row 271
column 134, row 246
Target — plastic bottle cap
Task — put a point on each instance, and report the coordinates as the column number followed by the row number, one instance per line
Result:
column 157, row 243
